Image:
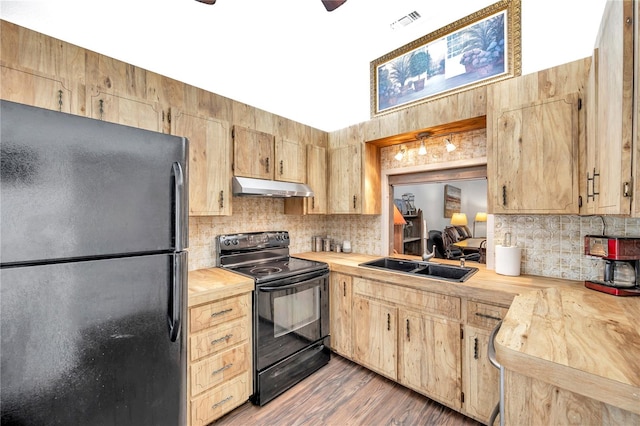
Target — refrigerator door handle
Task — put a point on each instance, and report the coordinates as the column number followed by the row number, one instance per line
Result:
column 180, row 206
column 176, row 299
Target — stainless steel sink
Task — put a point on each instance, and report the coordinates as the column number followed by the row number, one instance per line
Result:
column 423, row 269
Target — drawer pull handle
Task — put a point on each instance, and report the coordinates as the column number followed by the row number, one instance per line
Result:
column 222, row 339
column 216, row 314
column 481, row 315
column 388, row 322
column 344, row 288
column 408, row 331
column 220, row 370
column 227, row 399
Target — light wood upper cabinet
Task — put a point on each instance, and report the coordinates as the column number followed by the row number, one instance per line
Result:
column 209, row 163
column 429, row 356
column 253, row 153
column 259, row 155
column 290, row 161
column 316, row 178
column 345, row 179
column 340, row 321
column 536, row 157
column 36, row 89
column 126, row 110
column 610, row 126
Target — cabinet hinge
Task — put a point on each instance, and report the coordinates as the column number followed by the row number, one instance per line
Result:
column 626, row 189
column 462, row 397
column 579, row 104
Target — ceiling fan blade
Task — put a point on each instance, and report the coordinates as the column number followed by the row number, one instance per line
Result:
column 331, row 5
column 207, row 1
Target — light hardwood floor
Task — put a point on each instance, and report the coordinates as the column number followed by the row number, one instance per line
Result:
column 344, row 393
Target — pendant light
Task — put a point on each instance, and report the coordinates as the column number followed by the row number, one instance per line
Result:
column 400, row 155
column 449, row 145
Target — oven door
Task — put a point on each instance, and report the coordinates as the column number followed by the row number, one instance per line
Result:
column 290, row 315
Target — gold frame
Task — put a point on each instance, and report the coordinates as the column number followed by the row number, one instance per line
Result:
column 512, row 55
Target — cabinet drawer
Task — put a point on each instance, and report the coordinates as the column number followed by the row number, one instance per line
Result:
column 215, row 313
column 214, row 370
column 220, row 400
column 484, row 315
column 219, row 338
column 422, row 301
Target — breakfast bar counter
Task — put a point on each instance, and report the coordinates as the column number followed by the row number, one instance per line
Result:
column 577, row 340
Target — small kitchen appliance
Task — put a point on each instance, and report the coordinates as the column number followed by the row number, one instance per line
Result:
column 620, row 264
column 290, row 309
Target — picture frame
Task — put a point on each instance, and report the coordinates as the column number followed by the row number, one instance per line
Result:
column 452, row 200
column 479, row 49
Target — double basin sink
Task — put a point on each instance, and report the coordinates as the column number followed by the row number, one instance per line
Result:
column 423, row 269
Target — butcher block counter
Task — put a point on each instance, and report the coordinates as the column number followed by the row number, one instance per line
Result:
column 567, row 346
column 484, row 285
column 208, row 285
column 576, row 339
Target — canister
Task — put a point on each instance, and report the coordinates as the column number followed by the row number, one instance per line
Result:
column 327, row 244
column 317, row 243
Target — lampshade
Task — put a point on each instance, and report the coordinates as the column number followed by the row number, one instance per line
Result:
column 459, row 219
column 397, row 216
column 481, row 217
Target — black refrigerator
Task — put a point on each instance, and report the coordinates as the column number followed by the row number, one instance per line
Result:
column 93, row 271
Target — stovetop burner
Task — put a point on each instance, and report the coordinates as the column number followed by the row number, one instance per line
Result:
column 263, row 256
column 264, row 270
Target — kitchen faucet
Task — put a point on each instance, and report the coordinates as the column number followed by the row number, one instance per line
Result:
column 425, row 232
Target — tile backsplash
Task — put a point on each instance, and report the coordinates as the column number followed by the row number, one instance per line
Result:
column 553, row 246
column 252, row 214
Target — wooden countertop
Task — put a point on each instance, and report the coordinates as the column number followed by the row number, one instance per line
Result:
column 207, row 285
column 485, row 285
column 577, row 339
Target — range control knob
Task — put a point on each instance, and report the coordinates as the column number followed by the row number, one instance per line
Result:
column 227, row 242
column 235, row 242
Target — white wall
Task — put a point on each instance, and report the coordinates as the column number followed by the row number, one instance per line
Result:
column 430, row 198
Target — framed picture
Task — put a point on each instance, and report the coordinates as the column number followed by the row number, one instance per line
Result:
column 452, row 197
column 478, row 49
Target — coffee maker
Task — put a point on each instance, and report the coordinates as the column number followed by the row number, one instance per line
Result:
column 620, row 264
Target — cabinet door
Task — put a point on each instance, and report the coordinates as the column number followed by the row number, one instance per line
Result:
column 252, row 153
column 345, row 180
column 340, row 324
column 610, row 130
column 430, row 356
column 125, row 110
column 375, row 336
column 482, row 386
column 290, row 161
column 317, row 179
column 209, row 163
column 536, row 154
column 35, row 89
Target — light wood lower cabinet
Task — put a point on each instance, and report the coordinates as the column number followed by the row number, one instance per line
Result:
column 340, row 316
column 481, row 382
column 433, row 343
column 375, row 336
column 429, row 350
column 219, row 352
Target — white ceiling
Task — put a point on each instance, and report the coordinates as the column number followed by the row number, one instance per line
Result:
column 289, row 57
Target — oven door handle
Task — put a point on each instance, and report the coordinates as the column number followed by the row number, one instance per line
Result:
column 288, row 286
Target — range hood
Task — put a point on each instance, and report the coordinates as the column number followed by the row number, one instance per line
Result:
column 269, row 188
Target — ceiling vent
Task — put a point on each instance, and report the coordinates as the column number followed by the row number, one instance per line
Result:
column 405, row 20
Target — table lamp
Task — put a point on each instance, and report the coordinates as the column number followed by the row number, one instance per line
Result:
column 480, row 217
column 459, row 219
